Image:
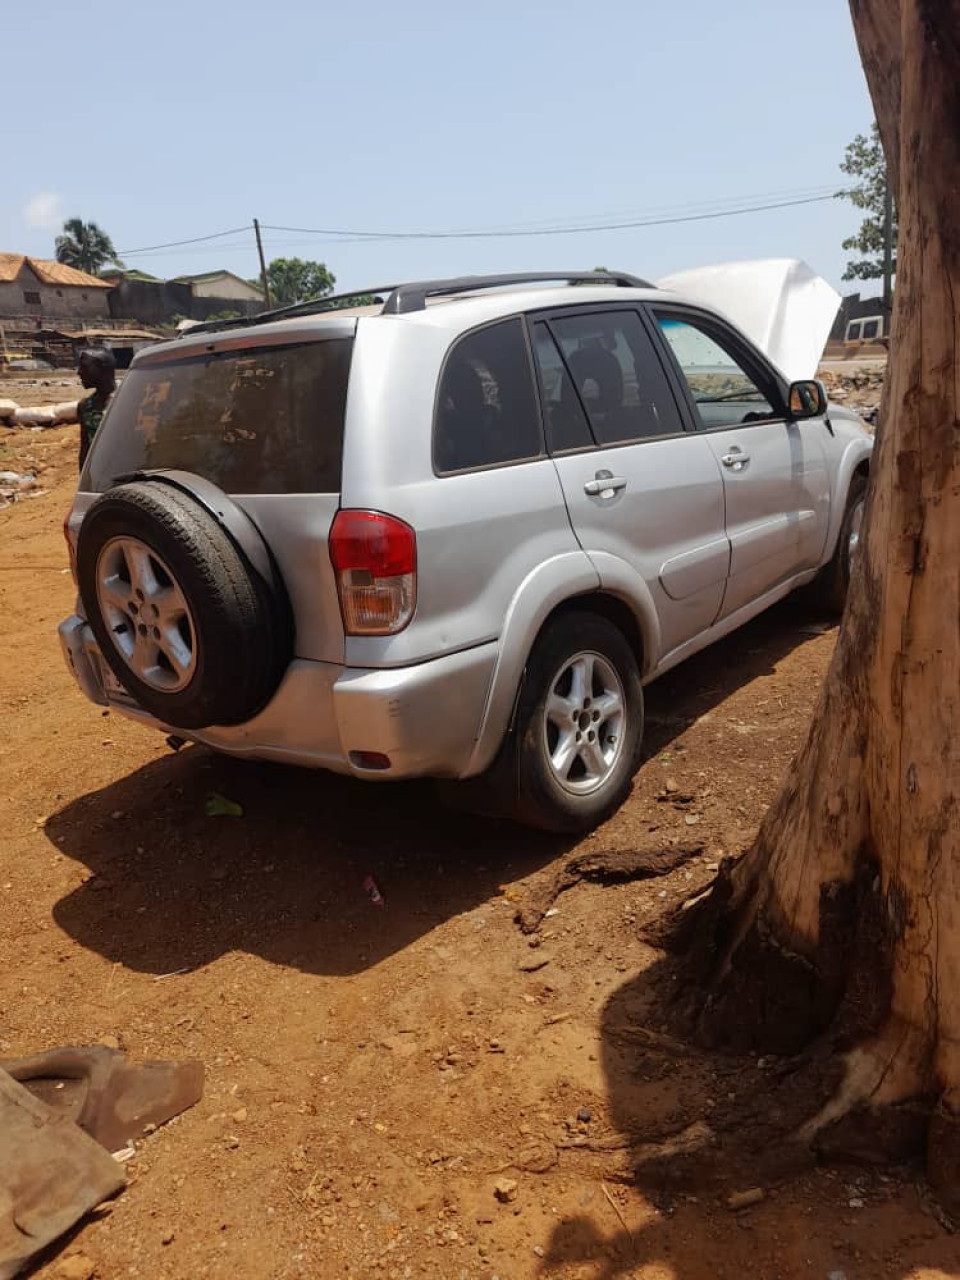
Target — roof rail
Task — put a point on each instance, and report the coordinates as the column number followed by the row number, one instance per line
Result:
column 404, row 298
column 413, row 297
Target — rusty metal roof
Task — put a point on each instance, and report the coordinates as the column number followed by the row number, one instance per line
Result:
column 53, row 273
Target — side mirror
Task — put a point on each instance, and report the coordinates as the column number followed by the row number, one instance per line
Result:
column 807, row 399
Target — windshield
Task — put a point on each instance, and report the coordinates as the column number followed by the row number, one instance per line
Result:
column 264, row 420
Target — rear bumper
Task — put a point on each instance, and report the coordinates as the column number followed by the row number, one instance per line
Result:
column 425, row 719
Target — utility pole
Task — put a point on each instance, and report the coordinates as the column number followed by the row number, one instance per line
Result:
column 263, row 266
column 887, row 250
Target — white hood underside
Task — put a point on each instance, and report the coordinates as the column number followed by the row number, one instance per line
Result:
column 779, row 303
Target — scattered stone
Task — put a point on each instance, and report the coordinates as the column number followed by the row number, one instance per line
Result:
column 584, row 1115
column 557, row 1017
column 538, row 1250
column 231, row 1141
column 856, row 1203
column 240, row 1115
column 168, row 1236
column 537, row 1156
column 533, row 963
column 670, row 786
column 691, row 819
column 745, row 1199
column 505, row 1190
column 111, row 1042
column 76, row 1267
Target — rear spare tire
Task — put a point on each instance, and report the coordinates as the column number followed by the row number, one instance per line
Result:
column 187, row 624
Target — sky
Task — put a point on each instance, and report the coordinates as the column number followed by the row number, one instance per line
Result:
column 169, row 122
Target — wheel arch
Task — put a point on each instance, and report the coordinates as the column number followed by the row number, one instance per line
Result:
column 569, row 584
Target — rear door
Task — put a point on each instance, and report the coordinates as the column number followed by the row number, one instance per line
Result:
column 638, row 487
column 775, row 478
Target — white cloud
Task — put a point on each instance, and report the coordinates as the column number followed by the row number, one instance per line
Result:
column 43, row 210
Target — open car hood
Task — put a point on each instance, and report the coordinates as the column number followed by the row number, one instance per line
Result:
column 781, row 304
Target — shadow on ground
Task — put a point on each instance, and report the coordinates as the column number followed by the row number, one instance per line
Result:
column 173, row 889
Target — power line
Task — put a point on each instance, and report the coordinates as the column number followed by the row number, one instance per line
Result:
column 352, row 236
column 174, row 244
column 581, row 226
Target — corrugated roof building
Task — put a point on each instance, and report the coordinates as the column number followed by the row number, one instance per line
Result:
column 49, row 290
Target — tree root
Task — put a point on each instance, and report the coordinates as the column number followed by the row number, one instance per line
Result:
column 603, row 866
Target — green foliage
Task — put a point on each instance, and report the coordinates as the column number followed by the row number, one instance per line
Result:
column 864, row 161
column 225, row 315
column 296, row 280
column 85, row 246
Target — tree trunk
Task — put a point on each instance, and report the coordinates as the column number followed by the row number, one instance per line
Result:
column 845, row 913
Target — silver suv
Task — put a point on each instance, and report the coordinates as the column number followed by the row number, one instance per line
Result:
column 451, row 534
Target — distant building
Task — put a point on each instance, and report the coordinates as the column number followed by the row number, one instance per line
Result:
column 222, row 284
column 36, row 288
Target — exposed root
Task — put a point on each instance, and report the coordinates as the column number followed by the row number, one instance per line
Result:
column 604, row 866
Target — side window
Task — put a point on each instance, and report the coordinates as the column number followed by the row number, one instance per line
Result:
column 725, row 394
column 618, row 375
column 567, row 426
column 870, row 330
column 486, row 406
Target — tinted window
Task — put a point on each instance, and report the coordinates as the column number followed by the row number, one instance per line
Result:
column 724, row 392
column 870, row 329
column 567, row 424
column 618, row 376
column 253, row 421
column 486, row 405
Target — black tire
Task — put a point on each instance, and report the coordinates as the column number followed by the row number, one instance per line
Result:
column 541, row 800
column 241, row 633
column 833, row 581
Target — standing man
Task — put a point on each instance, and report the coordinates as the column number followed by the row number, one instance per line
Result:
column 97, row 369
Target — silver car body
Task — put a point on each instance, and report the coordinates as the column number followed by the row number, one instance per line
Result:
column 687, row 545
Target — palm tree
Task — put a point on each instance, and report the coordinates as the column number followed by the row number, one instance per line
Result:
column 85, row 246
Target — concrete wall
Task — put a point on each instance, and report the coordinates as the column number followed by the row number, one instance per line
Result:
column 226, row 287
column 60, row 301
column 159, row 302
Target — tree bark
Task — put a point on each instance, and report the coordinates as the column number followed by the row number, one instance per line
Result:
column 850, row 894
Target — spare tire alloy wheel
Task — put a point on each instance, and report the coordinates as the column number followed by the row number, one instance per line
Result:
column 184, row 601
column 145, row 608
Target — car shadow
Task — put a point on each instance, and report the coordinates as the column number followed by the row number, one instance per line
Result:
column 171, row 889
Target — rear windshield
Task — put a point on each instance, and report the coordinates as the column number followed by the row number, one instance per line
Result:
column 267, row 420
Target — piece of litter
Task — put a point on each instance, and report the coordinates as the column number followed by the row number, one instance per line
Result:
column 745, row 1199
column 159, row 977
column 554, row 911
column 372, row 892
column 124, row 1154
column 219, row 806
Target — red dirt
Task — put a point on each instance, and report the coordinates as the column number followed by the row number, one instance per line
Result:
column 371, row 1072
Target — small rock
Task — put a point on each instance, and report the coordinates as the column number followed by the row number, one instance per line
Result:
column 538, row 1250
column 231, row 1141
column 117, row 815
column 533, row 963
column 111, row 1042
column 584, row 1115
column 505, row 1190
column 856, row 1203
column 745, row 1199
column 76, row 1267
column 691, row 819
column 670, row 786
column 168, row 1236
column 240, row 1115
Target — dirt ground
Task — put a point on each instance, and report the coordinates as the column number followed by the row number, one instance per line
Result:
column 373, row 1071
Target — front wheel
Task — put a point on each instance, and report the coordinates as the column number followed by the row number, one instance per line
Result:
column 833, row 581
column 579, row 725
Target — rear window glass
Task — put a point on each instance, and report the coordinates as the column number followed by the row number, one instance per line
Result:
column 268, row 420
column 486, row 406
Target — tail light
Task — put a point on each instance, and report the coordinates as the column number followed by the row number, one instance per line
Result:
column 375, row 560
column 71, row 545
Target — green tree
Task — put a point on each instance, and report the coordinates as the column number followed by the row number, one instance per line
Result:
column 296, row 280
column 85, row 246
column 864, row 161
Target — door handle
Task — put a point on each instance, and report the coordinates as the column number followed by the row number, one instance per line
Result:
column 736, row 459
column 604, row 485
